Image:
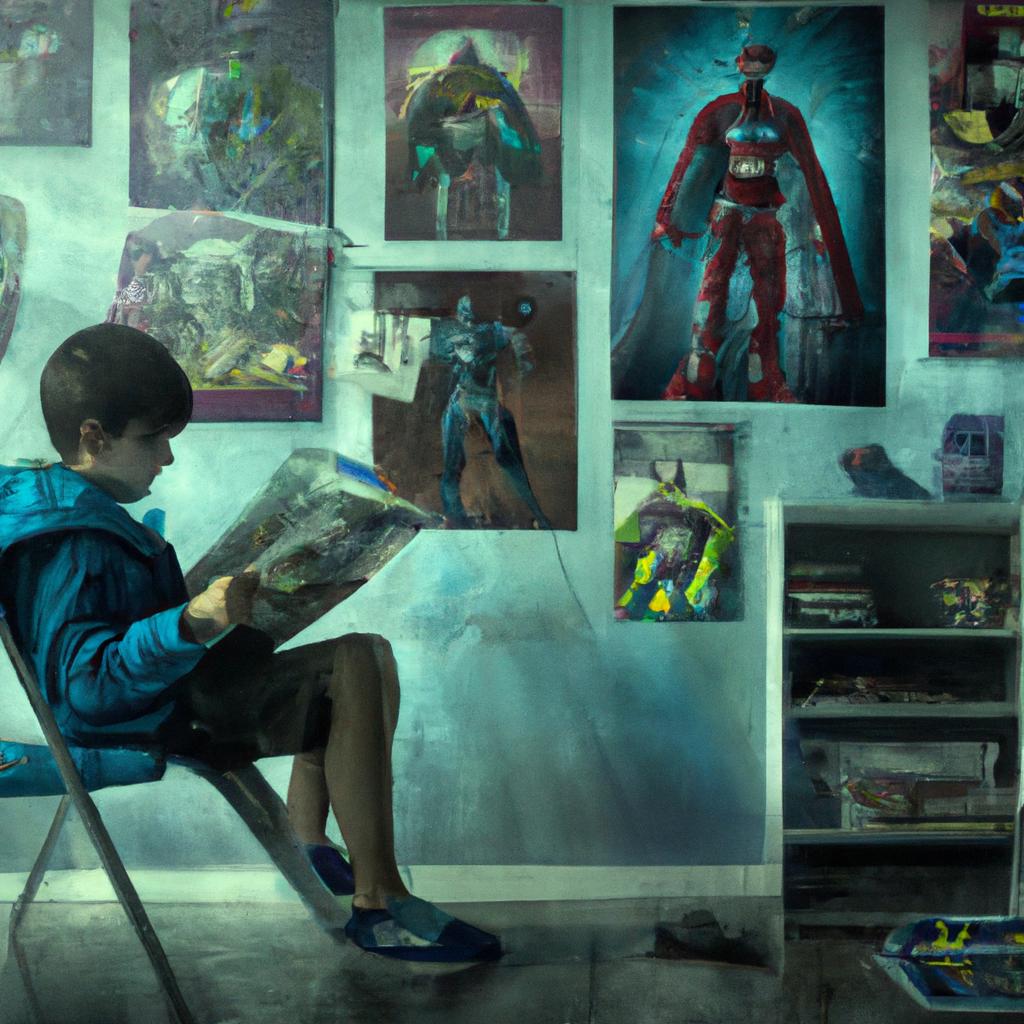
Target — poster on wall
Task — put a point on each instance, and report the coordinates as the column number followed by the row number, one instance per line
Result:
column 474, row 122
column 749, row 245
column 46, row 72
column 488, row 438
column 13, row 239
column 977, row 205
column 676, row 552
column 230, row 106
column 238, row 306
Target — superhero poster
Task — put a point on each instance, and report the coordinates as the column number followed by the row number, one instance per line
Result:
column 749, row 244
column 487, row 435
column 977, row 127
column 676, row 551
column 474, row 122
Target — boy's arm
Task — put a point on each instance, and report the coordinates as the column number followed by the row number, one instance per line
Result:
column 74, row 612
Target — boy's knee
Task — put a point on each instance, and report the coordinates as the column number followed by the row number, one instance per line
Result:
column 363, row 661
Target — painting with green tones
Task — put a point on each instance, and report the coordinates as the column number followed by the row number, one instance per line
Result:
column 231, row 106
column 676, row 556
column 238, row 306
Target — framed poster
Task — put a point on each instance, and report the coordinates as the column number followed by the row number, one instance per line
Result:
column 46, row 73
column 976, row 303
column 749, row 246
column 676, row 557
column 488, row 439
column 474, row 122
column 231, row 105
column 239, row 306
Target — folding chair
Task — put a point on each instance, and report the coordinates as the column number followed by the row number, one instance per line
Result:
column 56, row 768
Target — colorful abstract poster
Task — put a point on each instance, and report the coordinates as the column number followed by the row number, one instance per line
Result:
column 749, row 245
column 231, row 105
column 676, row 550
column 46, row 72
column 13, row 238
column 489, row 437
column 977, row 130
column 474, row 122
column 238, row 306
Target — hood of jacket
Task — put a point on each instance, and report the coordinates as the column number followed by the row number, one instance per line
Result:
column 53, row 499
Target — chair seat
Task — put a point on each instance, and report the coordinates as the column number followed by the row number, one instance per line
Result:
column 29, row 769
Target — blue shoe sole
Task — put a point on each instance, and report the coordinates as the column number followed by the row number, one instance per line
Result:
column 333, row 870
column 458, row 942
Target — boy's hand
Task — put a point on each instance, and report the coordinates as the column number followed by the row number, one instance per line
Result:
column 227, row 601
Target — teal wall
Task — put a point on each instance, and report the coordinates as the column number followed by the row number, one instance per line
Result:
column 535, row 729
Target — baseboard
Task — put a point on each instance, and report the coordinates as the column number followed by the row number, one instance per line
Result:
column 471, row 883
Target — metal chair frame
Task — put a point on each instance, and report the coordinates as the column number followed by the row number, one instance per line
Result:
column 245, row 789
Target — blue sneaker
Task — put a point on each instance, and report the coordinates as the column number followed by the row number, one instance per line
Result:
column 413, row 929
column 334, row 871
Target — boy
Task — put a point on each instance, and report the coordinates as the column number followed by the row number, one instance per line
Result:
column 98, row 605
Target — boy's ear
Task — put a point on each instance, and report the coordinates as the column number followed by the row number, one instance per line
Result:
column 92, row 438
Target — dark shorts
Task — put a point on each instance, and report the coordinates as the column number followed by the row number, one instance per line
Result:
column 243, row 701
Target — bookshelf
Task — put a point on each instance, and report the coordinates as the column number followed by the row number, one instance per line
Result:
column 897, row 712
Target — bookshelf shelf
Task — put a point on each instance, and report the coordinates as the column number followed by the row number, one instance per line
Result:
column 984, row 709
column 938, row 634
column 878, row 837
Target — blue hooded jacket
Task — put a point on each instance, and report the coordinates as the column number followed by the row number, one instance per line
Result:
column 94, row 599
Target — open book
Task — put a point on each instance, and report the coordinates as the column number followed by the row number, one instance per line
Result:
column 316, row 532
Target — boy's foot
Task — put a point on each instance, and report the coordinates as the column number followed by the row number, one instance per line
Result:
column 413, row 929
column 334, row 871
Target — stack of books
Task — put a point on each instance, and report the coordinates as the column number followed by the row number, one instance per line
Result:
column 829, row 595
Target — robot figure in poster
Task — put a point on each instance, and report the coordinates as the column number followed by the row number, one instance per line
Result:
column 724, row 186
column 472, row 348
column 470, row 133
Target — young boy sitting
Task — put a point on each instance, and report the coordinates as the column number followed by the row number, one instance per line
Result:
column 98, row 606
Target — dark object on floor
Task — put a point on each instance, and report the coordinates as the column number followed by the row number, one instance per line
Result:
column 874, row 475
column 699, row 936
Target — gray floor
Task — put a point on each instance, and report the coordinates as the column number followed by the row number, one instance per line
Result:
column 566, row 964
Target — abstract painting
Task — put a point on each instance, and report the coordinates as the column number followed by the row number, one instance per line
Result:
column 13, row 237
column 675, row 523
column 46, row 72
column 230, row 106
column 474, row 111
column 238, row 306
column 977, row 128
column 749, row 245
column 489, row 437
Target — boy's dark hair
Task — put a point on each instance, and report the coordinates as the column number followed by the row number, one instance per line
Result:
column 113, row 374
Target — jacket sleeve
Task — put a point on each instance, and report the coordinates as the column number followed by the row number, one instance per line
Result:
column 82, row 615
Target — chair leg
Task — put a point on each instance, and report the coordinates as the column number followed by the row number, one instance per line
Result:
column 128, row 897
column 263, row 811
column 35, row 878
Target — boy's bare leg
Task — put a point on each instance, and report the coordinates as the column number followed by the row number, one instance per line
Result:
column 308, row 802
column 355, row 773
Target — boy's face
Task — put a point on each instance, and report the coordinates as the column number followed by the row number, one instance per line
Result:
column 126, row 466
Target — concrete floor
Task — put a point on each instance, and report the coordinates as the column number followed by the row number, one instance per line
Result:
column 566, row 964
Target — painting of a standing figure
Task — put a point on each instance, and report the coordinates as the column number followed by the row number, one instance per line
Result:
column 474, row 122
column 489, row 437
column 753, row 276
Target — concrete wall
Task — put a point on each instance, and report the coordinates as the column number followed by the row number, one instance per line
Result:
column 535, row 729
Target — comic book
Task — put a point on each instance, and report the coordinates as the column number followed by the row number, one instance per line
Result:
column 316, row 531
